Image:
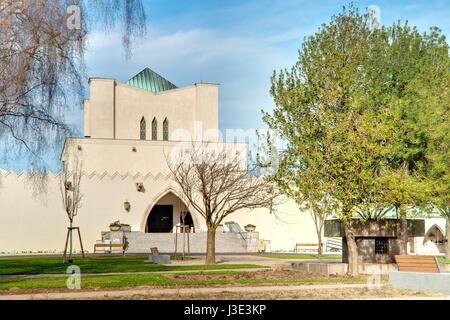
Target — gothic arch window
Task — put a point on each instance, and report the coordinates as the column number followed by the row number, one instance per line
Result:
column 143, row 129
column 166, row 130
column 154, row 129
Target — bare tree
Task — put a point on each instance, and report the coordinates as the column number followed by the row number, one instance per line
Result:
column 215, row 181
column 42, row 70
column 320, row 211
column 70, row 182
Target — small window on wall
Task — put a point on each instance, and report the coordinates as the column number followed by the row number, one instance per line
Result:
column 381, row 246
column 166, row 130
column 154, row 129
column 143, row 129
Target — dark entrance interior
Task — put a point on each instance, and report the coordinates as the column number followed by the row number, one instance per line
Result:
column 187, row 220
column 160, row 219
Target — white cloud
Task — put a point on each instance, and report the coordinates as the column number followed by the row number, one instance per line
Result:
column 242, row 65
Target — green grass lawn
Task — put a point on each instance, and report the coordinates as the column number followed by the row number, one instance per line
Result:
column 443, row 260
column 300, row 256
column 100, row 264
column 133, row 280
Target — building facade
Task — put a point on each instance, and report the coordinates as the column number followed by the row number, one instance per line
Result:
column 130, row 131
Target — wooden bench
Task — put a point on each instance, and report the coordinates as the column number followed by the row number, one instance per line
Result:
column 306, row 247
column 110, row 247
column 418, row 264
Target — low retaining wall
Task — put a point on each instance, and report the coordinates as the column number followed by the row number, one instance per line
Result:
column 325, row 268
column 421, row 281
column 226, row 242
column 339, row 268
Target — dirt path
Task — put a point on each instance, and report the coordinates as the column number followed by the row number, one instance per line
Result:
column 155, row 292
column 266, row 292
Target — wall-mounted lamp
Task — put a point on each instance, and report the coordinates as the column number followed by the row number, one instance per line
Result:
column 79, row 148
column 140, row 187
column 127, row 206
column 134, row 149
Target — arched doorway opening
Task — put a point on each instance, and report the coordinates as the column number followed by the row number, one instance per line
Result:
column 166, row 213
column 160, row 219
column 434, row 240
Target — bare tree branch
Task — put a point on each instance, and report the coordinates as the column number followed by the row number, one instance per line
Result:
column 42, row 70
column 215, row 181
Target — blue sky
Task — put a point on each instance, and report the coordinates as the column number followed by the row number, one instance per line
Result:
column 238, row 44
column 235, row 43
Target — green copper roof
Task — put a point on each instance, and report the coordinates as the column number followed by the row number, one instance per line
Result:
column 151, row 81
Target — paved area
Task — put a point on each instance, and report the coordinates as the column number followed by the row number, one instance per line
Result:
column 238, row 259
column 266, row 292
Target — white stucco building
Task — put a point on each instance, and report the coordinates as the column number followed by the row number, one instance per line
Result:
column 129, row 130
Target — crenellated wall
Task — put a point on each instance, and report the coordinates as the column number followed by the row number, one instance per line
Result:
column 32, row 218
column 136, row 156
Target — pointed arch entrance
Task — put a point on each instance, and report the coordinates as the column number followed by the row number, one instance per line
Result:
column 166, row 212
column 434, row 239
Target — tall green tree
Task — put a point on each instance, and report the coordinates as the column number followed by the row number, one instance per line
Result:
column 415, row 92
column 322, row 111
column 365, row 115
column 438, row 155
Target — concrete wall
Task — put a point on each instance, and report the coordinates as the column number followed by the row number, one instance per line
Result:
column 421, row 281
column 337, row 268
column 165, row 242
column 134, row 156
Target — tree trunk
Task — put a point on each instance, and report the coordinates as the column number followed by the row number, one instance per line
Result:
column 211, row 245
column 70, row 242
column 320, row 248
column 318, row 224
column 447, row 244
column 402, row 239
column 352, row 248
